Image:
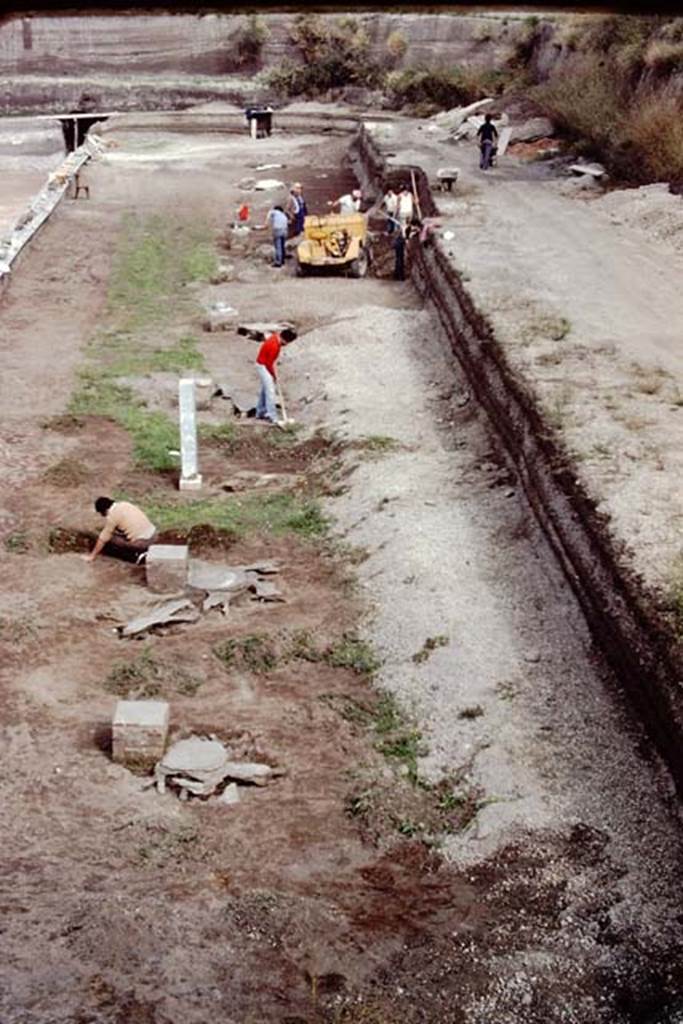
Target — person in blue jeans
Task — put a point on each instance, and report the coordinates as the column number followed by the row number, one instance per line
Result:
column 277, row 218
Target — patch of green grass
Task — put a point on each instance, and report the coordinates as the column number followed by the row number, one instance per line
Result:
column 354, row 653
column 17, row 543
column 428, row 648
column 223, row 434
column 254, row 653
column 287, row 435
column 301, row 647
column 400, row 740
column 276, row 514
column 377, row 444
column 122, row 354
column 155, row 259
column 348, row 708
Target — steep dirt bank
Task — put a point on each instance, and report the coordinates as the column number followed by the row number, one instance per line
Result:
column 209, row 43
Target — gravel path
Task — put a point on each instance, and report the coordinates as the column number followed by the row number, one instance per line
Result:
column 517, row 697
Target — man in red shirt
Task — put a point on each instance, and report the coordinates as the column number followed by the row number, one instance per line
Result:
column 268, row 352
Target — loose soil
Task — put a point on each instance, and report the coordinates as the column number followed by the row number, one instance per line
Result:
column 550, row 893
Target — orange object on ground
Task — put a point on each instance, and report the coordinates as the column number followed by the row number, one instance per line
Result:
column 244, row 212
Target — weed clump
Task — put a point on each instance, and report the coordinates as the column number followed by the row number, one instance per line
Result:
column 146, row 677
column 332, row 55
column 428, row 648
column 254, row 653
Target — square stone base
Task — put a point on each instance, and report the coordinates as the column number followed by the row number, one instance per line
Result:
column 139, row 733
column 190, row 483
column 166, row 566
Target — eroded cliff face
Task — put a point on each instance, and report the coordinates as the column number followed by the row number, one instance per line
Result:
column 209, row 43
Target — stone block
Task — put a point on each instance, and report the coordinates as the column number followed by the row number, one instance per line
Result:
column 139, row 733
column 167, row 566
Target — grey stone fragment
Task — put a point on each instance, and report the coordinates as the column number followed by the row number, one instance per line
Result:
column 267, row 592
column 230, row 794
column 199, row 764
column 247, row 771
column 532, row 129
column 211, row 577
column 221, row 316
column 224, row 272
column 165, row 614
column 595, row 170
column 219, row 599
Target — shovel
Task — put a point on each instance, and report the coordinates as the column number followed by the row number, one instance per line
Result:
column 285, row 419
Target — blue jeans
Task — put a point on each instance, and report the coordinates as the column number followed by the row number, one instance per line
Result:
column 279, row 250
column 265, row 407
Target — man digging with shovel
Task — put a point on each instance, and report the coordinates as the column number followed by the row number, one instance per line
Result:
column 268, row 352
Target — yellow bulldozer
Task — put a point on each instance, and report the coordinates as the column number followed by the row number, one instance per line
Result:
column 335, row 240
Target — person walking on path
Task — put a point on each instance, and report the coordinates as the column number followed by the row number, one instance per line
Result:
column 127, row 532
column 277, row 218
column 296, row 209
column 269, row 350
column 488, row 136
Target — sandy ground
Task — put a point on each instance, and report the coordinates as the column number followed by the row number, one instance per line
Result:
column 584, row 295
column 29, row 150
column 558, row 898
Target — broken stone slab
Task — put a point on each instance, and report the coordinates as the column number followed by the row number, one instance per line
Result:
column 224, row 272
column 230, row 794
column 139, row 732
column 167, row 614
column 268, row 184
column 267, row 591
column 219, row 599
column 258, row 330
column 532, row 129
column 199, row 764
column 258, row 774
column 595, row 170
column 211, row 577
column 167, row 567
column 220, row 317
column 453, row 118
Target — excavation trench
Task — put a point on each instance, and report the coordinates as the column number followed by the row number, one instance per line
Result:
column 624, row 620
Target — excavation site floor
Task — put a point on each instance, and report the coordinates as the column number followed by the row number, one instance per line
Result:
column 470, row 827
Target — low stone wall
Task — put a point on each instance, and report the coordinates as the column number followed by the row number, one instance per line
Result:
column 623, row 618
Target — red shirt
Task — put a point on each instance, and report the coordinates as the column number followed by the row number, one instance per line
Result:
column 268, row 353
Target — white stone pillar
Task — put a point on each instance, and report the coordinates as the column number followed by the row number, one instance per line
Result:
column 190, row 477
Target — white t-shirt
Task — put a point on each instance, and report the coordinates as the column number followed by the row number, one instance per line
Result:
column 347, row 204
column 405, row 206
